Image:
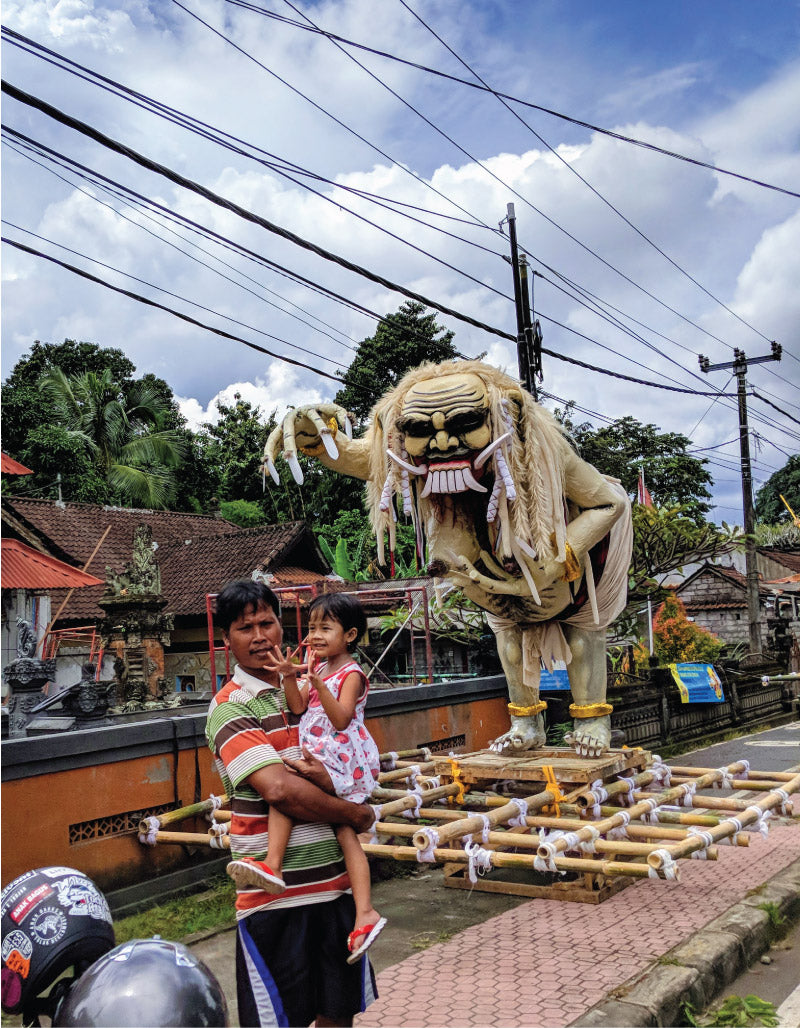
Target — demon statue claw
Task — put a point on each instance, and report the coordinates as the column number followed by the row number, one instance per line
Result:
column 531, row 533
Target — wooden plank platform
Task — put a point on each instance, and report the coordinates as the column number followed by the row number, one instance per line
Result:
column 586, row 888
column 568, row 767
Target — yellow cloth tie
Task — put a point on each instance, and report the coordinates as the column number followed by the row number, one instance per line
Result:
column 572, row 566
column 589, row 709
column 455, row 774
column 536, row 708
column 552, row 786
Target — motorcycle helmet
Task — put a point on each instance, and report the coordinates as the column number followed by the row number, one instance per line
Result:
column 145, row 982
column 53, row 918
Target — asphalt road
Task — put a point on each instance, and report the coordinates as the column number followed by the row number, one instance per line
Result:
column 778, row 981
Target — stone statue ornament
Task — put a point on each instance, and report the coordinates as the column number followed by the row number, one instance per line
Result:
column 510, row 514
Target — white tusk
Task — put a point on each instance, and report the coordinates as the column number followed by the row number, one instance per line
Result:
column 411, row 468
column 348, row 427
column 484, row 455
column 330, row 445
column 471, row 483
column 276, row 478
column 428, row 487
column 294, row 467
column 525, row 547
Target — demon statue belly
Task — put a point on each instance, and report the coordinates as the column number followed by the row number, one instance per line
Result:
column 510, row 514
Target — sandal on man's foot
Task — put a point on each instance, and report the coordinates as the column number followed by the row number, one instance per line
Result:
column 247, row 871
column 360, row 939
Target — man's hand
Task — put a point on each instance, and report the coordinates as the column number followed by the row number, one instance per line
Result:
column 313, row 769
column 363, row 817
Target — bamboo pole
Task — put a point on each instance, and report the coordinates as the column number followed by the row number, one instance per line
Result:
column 662, row 857
column 193, row 810
column 742, row 784
column 518, row 860
column 475, row 823
column 220, row 842
column 778, row 776
column 402, row 773
column 551, row 847
column 410, row 799
column 518, row 840
column 705, row 802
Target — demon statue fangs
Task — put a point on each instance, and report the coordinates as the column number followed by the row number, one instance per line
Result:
column 530, row 532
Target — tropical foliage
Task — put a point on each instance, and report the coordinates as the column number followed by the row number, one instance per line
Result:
column 676, row 638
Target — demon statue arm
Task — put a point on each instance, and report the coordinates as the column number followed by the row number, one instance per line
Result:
column 508, row 511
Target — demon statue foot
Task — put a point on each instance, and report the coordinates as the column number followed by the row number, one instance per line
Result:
column 590, row 736
column 526, row 733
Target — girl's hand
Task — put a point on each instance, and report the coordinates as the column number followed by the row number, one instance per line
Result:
column 283, row 665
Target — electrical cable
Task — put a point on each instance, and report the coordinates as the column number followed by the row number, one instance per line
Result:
column 514, row 99
column 169, row 310
column 192, row 257
column 175, row 296
column 571, row 168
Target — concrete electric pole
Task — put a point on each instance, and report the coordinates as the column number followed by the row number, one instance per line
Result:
column 739, row 366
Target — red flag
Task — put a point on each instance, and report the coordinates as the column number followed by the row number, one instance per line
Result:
column 642, row 492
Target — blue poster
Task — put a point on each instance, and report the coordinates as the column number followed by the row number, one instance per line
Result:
column 556, row 680
column 698, row 683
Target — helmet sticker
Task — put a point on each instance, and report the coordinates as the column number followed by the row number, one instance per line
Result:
column 17, row 949
column 48, row 926
column 33, row 899
column 57, row 872
column 78, row 895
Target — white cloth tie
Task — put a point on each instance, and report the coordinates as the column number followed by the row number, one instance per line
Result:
column 662, row 773
column 522, row 808
column 760, row 825
column 148, row 838
column 626, row 798
column 588, row 845
column 707, row 838
column 731, row 840
column 598, row 794
column 688, row 789
column 669, row 869
column 413, row 812
column 726, row 782
column 427, row 855
column 620, row 831
column 480, row 860
column 650, row 816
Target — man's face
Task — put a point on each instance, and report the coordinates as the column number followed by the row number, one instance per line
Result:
column 445, row 422
column 252, row 636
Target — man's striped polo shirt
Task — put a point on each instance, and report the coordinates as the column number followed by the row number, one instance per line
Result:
column 249, row 727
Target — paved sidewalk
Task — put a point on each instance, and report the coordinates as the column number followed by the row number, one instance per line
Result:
column 546, row 962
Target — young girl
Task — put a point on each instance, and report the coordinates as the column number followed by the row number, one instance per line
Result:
column 331, row 699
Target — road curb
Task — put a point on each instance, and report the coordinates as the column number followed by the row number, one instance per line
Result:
column 699, row 969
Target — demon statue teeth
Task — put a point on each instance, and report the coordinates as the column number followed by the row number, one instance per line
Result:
column 531, row 533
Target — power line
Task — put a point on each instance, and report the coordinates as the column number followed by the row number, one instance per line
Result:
column 575, row 172
column 196, row 187
column 514, row 99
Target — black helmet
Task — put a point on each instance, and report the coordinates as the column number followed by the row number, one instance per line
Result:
column 53, row 918
column 146, row 982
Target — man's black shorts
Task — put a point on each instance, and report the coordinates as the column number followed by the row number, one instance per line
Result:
column 291, row 966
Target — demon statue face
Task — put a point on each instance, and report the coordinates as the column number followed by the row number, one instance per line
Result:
column 506, row 510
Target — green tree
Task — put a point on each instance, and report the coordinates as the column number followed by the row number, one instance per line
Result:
column 769, row 506
column 626, row 446
column 25, row 408
column 121, row 429
column 244, row 513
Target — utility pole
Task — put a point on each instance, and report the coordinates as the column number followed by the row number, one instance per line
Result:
column 528, row 335
column 739, row 366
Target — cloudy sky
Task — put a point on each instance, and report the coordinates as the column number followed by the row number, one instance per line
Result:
column 646, row 261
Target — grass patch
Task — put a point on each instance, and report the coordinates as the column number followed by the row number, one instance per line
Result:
column 669, row 962
column 204, row 911
column 427, row 939
column 736, row 1012
column 777, row 921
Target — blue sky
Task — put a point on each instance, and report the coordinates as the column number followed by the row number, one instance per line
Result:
column 719, row 82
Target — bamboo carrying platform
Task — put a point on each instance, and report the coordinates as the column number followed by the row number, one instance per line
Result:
column 547, row 823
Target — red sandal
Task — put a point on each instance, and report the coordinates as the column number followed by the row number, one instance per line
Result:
column 367, row 935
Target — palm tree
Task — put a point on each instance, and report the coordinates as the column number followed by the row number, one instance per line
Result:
column 122, row 430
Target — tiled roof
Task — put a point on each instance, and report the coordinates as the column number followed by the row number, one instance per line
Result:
column 71, row 531
column 196, row 554
column 25, row 568
column 9, row 466
column 788, row 560
column 713, row 605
